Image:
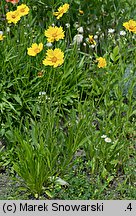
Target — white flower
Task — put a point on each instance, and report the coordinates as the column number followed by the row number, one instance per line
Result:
column 103, row 136
column 42, row 93
column 76, row 25
column 88, row 29
column 95, row 37
column 108, row 140
column 67, row 25
column 92, row 46
column 84, row 44
column 78, row 39
column 80, row 30
column 8, row 29
column 1, row 32
column 87, row 40
column 102, row 35
column 49, row 44
column 122, row 33
column 111, row 31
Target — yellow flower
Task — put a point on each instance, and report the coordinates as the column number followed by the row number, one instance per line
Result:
column 23, row 9
column 91, row 39
column 130, row 26
column 34, row 49
column 101, row 62
column 54, row 33
column 81, row 12
column 13, row 16
column 1, row 37
column 54, row 58
column 61, row 10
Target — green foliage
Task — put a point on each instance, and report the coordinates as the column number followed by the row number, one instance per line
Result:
column 47, row 120
column 47, row 147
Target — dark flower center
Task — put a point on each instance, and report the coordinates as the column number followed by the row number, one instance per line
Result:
column 54, row 59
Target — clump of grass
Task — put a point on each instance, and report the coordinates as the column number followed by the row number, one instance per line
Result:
column 76, row 94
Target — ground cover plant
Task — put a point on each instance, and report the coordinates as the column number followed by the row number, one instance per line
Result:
column 67, row 99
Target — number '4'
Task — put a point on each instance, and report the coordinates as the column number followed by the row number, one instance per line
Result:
column 129, row 207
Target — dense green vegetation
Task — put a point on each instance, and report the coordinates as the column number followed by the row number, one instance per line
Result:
column 68, row 131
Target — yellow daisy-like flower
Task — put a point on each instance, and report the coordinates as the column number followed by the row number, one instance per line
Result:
column 34, row 49
column 101, row 62
column 1, row 37
column 61, row 10
column 130, row 26
column 23, row 9
column 54, row 34
column 13, row 16
column 91, row 39
column 54, row 58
